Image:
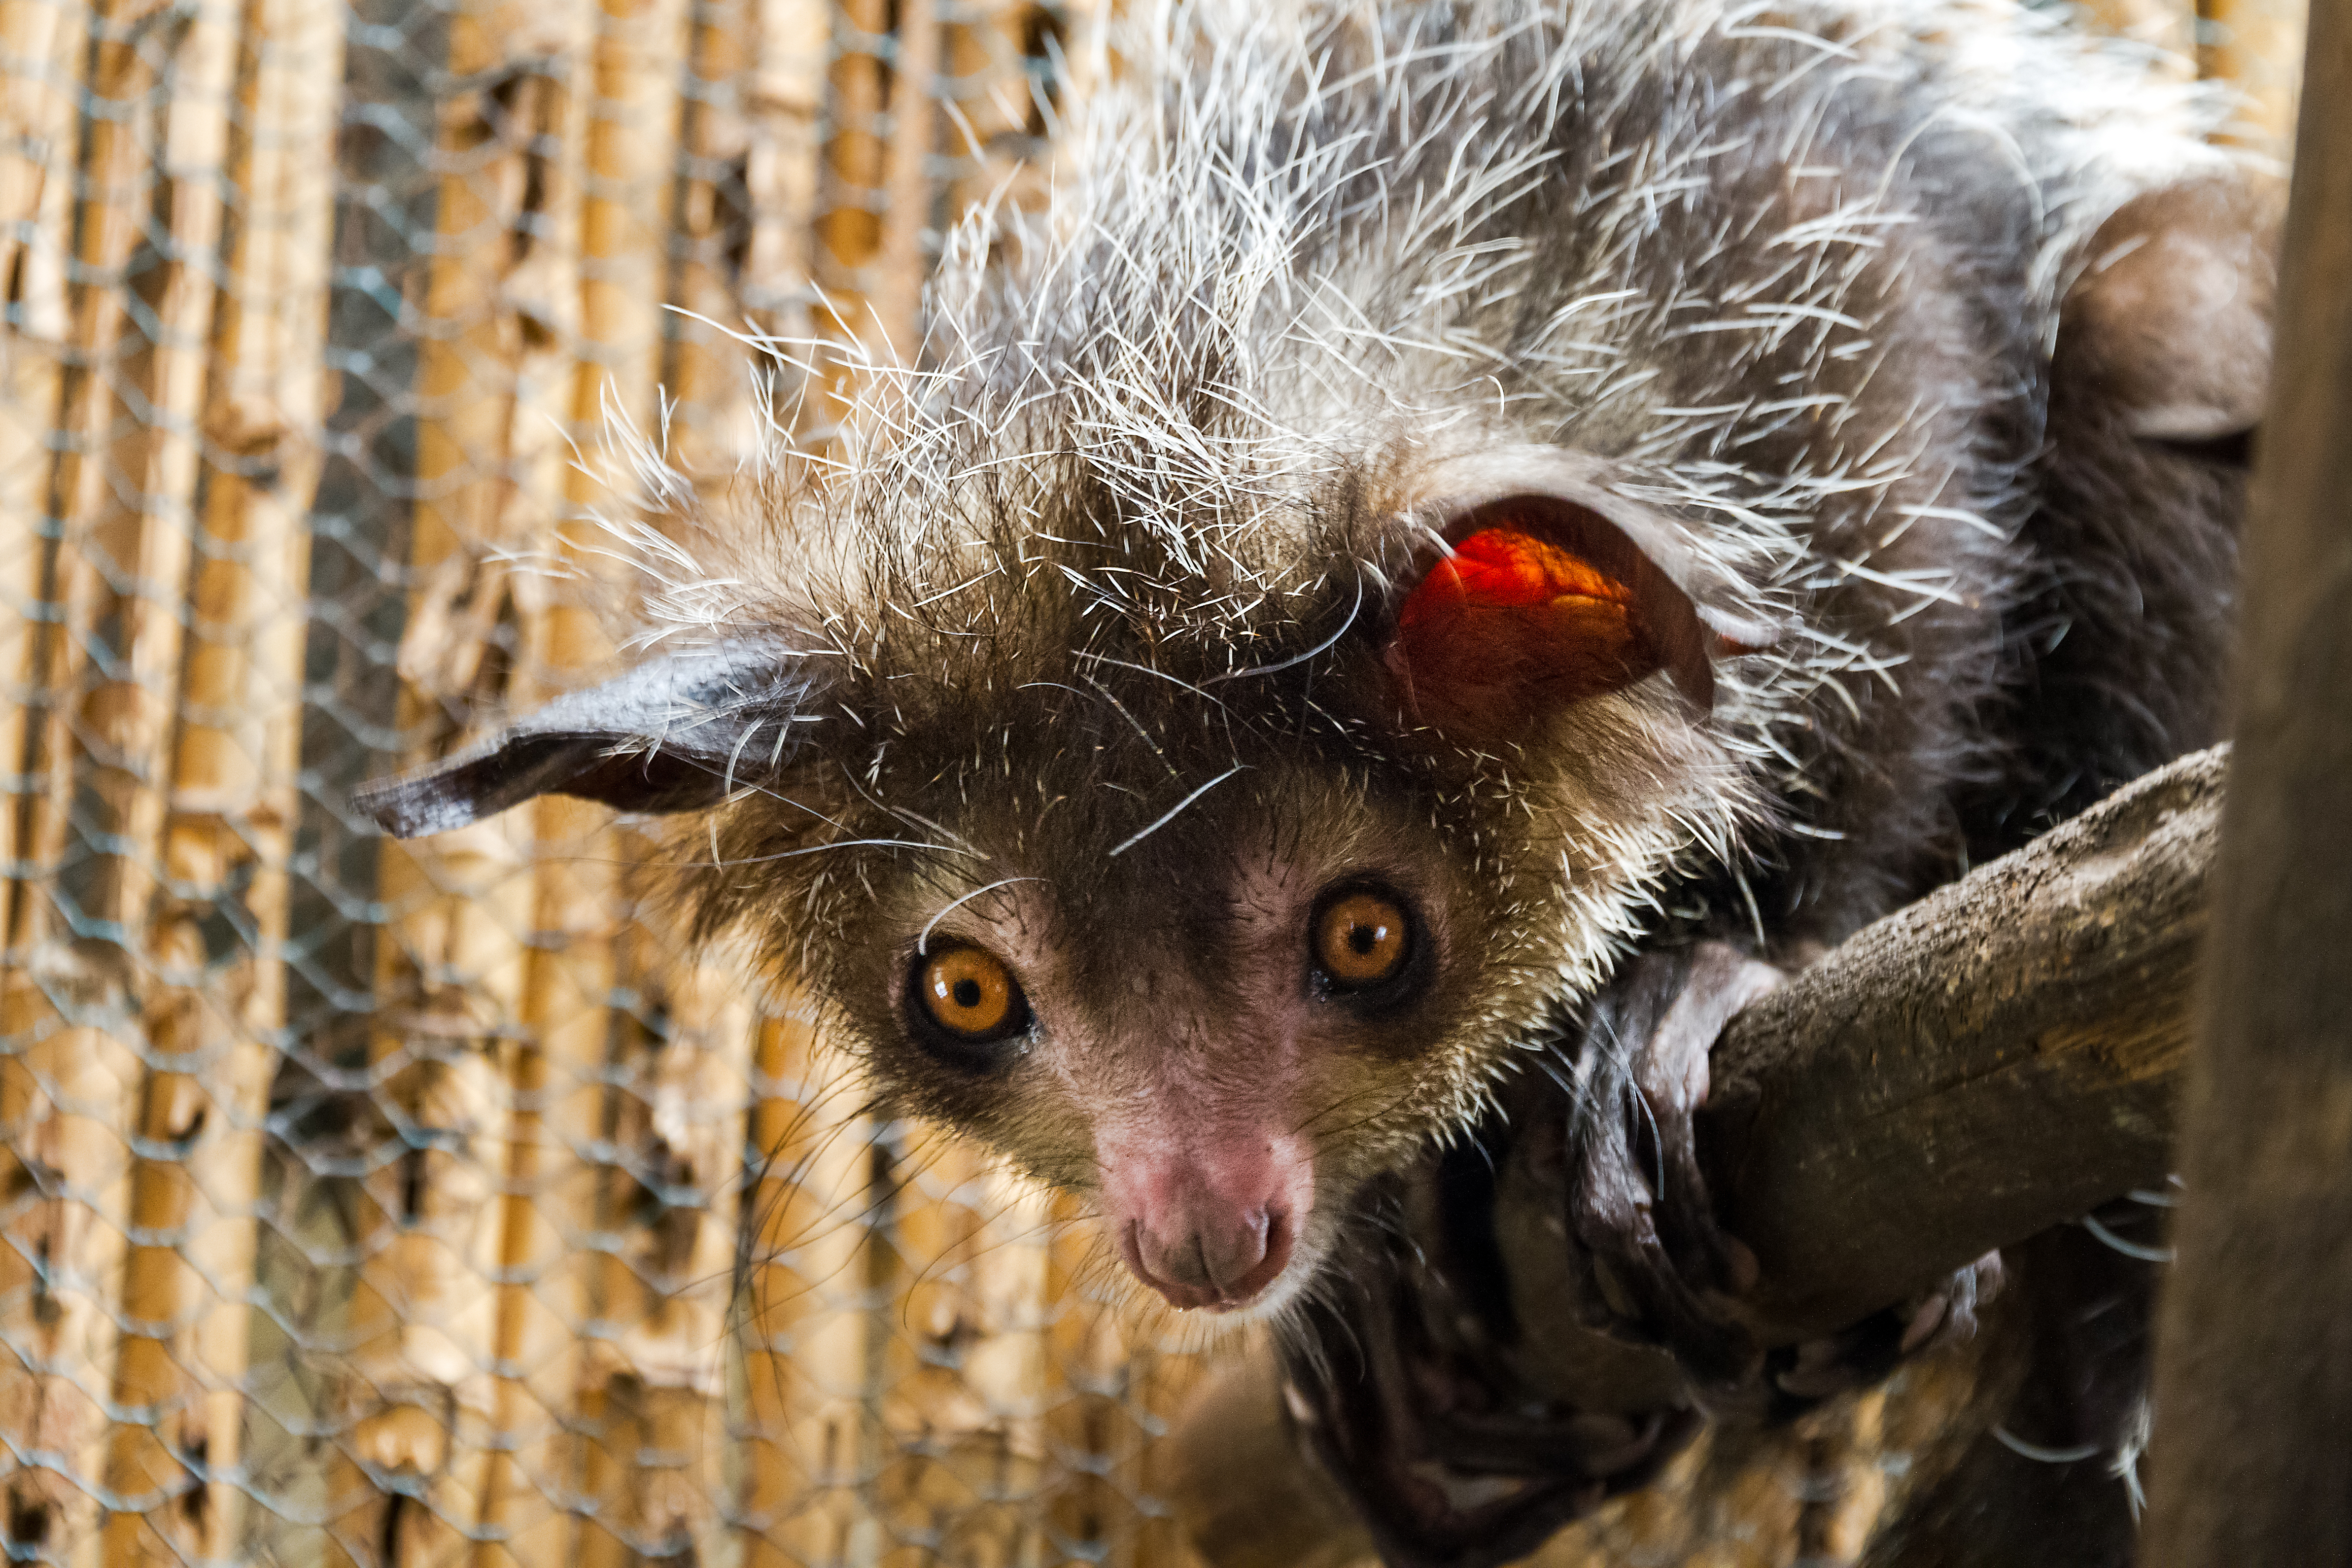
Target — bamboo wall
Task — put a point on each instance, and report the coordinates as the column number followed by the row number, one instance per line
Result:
column 373, row 1204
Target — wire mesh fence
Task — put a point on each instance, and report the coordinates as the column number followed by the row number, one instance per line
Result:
column 383, row 1205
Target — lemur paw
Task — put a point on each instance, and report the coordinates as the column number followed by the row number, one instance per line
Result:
column 1657, row 1268
column 1403, row 1386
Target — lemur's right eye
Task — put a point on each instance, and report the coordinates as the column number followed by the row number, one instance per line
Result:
column 1367, row 949
column 1362, row 939
column 962, row 1001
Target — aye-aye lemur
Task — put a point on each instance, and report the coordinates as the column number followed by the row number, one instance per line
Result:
column 1445, row 500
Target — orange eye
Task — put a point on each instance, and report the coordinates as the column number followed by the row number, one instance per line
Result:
column 1361, row 939
column 970, row 995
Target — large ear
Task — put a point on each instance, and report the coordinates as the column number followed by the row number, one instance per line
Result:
column 2168, row 322
column 676, row 733
column 1546, row 589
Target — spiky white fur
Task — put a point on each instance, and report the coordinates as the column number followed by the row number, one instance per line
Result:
column 1792, row 269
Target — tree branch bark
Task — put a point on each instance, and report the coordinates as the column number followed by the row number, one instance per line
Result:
column 1995, row 1060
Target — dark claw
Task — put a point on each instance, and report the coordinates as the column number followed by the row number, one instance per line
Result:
column 1662, row 1272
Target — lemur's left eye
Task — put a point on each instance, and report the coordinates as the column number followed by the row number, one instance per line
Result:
column 965, row 1004
column 1364, row 944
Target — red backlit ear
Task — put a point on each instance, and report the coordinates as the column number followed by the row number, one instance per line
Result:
column 1543, row 600
column 1511, row 625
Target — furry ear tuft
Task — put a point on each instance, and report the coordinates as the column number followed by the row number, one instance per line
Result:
column 678, row 733
column 2169, row 324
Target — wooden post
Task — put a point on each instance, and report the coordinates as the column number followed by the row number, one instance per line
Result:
column 2253, row 1459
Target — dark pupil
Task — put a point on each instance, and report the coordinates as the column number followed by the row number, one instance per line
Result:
column 1362, row 939
column 966, row 993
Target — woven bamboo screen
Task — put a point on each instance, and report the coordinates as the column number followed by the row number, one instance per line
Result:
column 377, row 1204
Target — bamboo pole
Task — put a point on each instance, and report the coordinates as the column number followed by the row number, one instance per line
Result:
column 1163, row 1379
column 705, row 372
column 146, row 219
column 40, row 48
column 2257, row 47
column 1118, row 1369
column 894, row 323
column 492, row 379
column 848, row 210
column 995, row 140
column 670, row 1219
column 784, row 100
column 209, row 1025
column 524, row 1513
column 147, row 398
column 1096, row 1350
column 42, row 41
column 700, row 1112
column 959, row 1319
column 798, row 1325
column 1007, row 1369
column 47, row 48
column 580, row 951
column 423, row 1375
column 808, row 1331
column 804, row 1325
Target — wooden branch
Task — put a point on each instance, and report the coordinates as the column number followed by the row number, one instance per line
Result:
column 1995, row 1060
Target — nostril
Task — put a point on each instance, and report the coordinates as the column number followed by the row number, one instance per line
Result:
column 1211, row 1265
column 1274, row 1255
column 1240, row 1248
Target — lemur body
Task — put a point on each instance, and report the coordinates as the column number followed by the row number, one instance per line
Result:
column 1443, row 495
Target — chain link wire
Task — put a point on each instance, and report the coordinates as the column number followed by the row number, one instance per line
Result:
column 385, row 1205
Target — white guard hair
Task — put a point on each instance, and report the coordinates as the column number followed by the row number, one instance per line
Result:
column 1290, row 243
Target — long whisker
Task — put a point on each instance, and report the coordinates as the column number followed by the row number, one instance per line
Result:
column 1170, row 815
column 922, row 943
column 1323, row 647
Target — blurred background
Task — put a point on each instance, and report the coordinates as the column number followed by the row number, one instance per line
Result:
column 385, row 1205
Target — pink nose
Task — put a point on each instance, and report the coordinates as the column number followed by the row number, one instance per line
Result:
column 1209, row 1227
